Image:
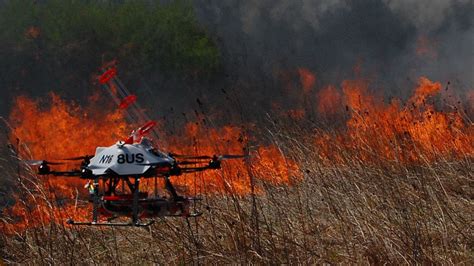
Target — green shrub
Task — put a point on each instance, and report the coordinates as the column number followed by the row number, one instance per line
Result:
column 74, row 37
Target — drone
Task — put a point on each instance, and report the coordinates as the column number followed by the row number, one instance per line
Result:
column 127, row 162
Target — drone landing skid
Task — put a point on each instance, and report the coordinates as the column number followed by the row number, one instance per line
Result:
column 72, row 222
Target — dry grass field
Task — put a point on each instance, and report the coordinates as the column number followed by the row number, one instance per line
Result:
column 370, row 193
column 351, row 124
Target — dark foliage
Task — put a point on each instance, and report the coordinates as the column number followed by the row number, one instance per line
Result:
column 57, row 44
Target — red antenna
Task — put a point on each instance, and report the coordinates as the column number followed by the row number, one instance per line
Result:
column 127, row 101
column 108, row 75
column 139, row 133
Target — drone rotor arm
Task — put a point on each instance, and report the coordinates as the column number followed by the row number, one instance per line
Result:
column 78, row 158
column 193, row 170
column 208, row 157
column 191, row 157
column 66, row 173
column 190, row 162
column 231, row 156
column 41, row 162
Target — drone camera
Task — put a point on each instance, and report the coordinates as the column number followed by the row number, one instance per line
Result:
column 43, row 169
column 215, row 164
column 86, row 173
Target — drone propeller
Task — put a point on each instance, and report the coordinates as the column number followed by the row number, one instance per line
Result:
column 230, row 156
column 189, row 162
column 207, row 157
column 41, row 162
column 85, row 157
column 192, row 157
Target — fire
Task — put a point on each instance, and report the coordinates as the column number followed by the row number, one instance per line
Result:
column 296, row 114
column 329, row 101
column 470, row 100
column 307, row 79
column 267, row 163
column 411, row 133
column 59, row 130
column 62, row 129
column 419, row 130
column 39, row 212
column 425, row 89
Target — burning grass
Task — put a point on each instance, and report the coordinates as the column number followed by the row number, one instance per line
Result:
column 394, row 185
column 344, row 212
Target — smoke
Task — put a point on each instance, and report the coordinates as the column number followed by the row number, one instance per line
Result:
column 449, row 27
column 425, row 15
column 298, row 14
column 395, row 41
column 263, row 42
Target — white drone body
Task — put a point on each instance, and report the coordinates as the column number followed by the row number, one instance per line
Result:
column 123, row 159
column 125, row 163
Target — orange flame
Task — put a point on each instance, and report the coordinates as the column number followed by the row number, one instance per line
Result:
column 307, row 79
column 413, row 133
column 63, row 130
column 329, row 101
column 235, row 176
